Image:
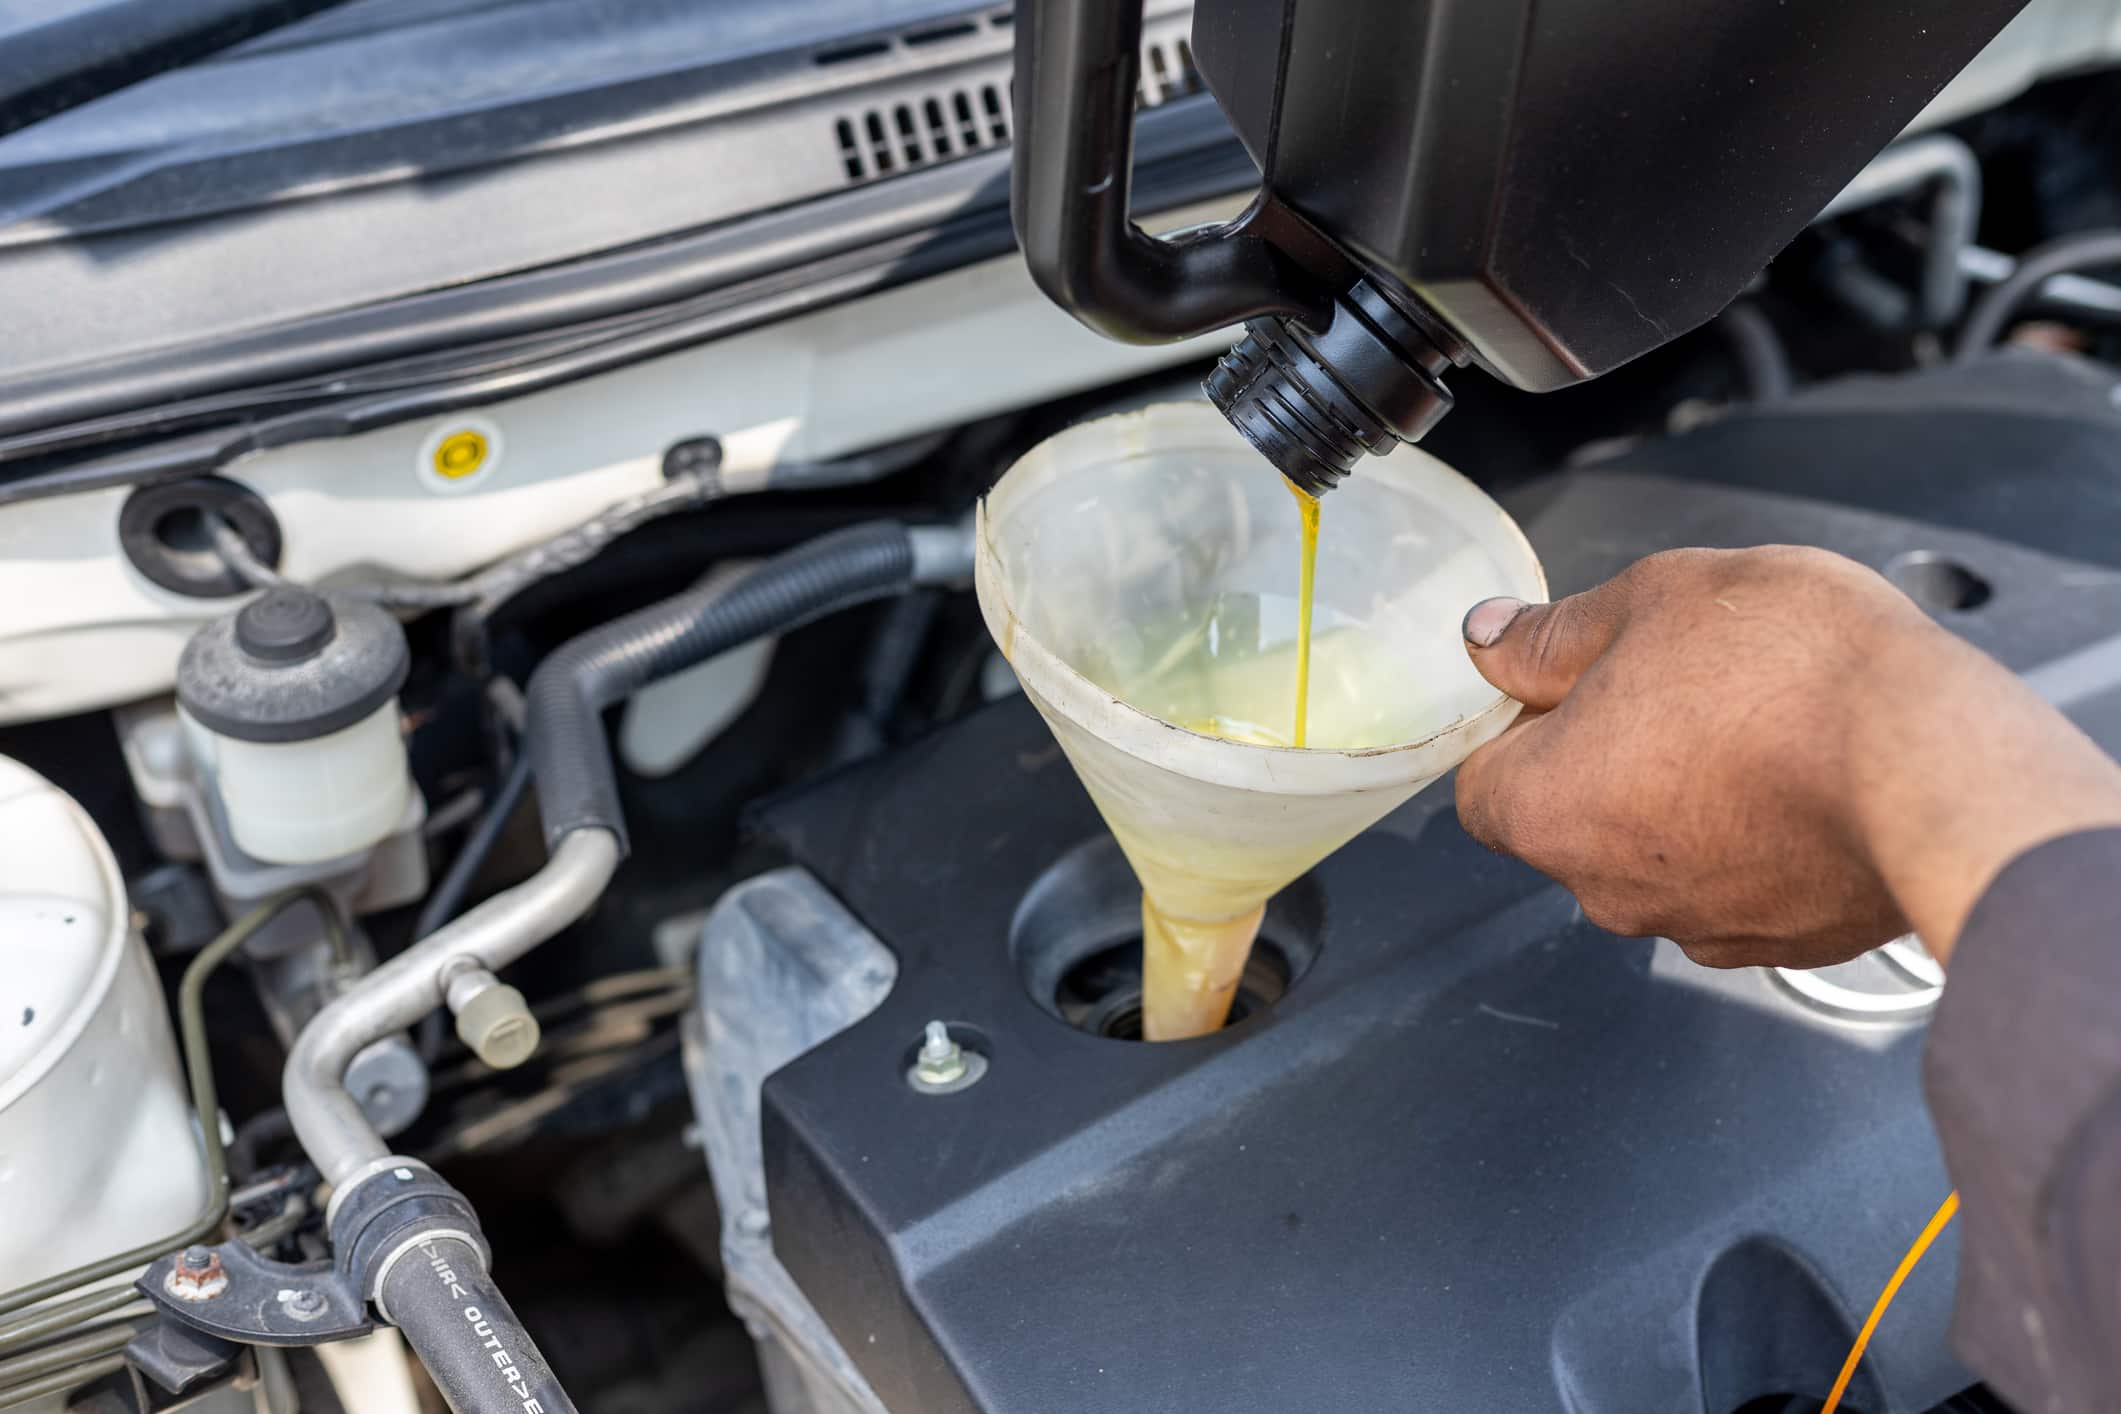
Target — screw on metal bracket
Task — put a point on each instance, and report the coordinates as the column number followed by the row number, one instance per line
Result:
column 942, row 1066
column 196, row 1275
column 301, row 1304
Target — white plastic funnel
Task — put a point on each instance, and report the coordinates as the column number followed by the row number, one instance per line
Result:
column 1141, row 570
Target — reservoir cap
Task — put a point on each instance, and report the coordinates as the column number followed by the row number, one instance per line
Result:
column 284, row 626
column 292, row 665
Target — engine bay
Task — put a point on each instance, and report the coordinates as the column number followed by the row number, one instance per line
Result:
column 585, row 837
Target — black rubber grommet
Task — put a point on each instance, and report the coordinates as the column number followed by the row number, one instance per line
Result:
column 148, row 525
column 695, row 456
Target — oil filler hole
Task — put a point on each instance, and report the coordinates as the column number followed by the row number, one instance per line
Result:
column 1939, row 583
column 1076, row 939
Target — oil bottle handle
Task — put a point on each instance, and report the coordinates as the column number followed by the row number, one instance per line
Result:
column 1077, row 66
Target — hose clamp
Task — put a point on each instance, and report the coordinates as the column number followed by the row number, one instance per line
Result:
column 393, row 1206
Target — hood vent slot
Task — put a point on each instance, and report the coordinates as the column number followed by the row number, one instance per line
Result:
column 934, row 123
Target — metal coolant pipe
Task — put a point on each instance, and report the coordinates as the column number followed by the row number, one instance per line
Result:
column 578, row 796
column 408, row 1241
column 334, row 1131
column 1949, row 165
column 579, row 799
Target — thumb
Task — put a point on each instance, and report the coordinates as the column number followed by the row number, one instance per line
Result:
column 1535, row 652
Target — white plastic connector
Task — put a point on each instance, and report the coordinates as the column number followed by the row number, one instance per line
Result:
column 493, row 1019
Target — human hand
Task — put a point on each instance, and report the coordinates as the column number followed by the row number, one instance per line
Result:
column 1769, row 756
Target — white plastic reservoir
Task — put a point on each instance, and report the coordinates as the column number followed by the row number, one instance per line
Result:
column 98, row 1150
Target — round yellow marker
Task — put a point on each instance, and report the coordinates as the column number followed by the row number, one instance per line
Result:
column 460, row 454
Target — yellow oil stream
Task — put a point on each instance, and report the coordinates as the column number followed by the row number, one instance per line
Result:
column 1191, row 968
column 1307, row 507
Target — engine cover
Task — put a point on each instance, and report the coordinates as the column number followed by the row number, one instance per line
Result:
column 1479, row 1155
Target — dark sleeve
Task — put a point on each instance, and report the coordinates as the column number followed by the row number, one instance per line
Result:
column 2024, row 1081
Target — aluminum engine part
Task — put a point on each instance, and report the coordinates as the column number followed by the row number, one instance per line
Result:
column 782, row 967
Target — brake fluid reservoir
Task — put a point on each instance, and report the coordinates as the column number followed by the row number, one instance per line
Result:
column 98, row 1149
column 290, row 706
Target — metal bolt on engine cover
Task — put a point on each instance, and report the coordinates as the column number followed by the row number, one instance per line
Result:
column 942, row 1066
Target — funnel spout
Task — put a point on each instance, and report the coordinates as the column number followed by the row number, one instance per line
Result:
column 1190, row 970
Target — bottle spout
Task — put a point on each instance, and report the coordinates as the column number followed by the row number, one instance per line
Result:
column 1315, row 404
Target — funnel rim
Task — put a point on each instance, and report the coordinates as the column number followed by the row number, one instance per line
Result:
column 1326, row 770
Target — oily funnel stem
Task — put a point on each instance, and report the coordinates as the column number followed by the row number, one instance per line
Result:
column 1190, row 971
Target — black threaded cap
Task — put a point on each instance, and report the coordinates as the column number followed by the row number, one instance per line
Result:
column 1315, row 404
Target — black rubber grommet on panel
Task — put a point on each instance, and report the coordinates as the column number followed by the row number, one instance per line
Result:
column 163, row 531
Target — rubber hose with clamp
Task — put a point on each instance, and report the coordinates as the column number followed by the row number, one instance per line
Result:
column 578, row 796
column 410, row 1244
column 387, row 1212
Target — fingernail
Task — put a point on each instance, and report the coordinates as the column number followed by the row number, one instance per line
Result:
column 1486, row 620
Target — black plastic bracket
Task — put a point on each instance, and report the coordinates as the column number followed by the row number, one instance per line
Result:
column 264, row 1302
column 255, row 1300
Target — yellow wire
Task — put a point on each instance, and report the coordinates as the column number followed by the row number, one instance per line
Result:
column 1885, row 1299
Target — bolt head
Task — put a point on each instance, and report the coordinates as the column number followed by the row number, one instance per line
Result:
column 941, row 1060
column 941, row 1066
column 303, row 1305
column 196, row 1275
column 941, row 1070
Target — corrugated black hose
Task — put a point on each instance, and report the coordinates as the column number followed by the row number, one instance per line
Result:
column 564, row 734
